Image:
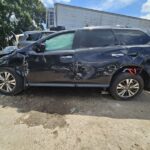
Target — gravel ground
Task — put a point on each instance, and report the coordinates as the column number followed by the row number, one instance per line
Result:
column 73, row 119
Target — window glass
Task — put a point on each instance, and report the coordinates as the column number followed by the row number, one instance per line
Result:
column 60, row 42
column 45, row 34
column 96, row 38
column 34, row 37
column 132, row 37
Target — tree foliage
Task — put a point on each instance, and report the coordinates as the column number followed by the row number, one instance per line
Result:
column 19, row 15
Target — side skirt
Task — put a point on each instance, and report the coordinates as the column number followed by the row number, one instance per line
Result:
column 68, row 85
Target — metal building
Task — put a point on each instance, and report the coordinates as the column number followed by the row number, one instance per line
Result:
column 76, row 17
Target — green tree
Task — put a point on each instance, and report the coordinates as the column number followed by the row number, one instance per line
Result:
column 19, row 15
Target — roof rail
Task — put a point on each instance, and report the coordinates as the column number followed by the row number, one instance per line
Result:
column 107, row 26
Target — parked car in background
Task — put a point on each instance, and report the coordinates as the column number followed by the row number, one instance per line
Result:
column 8, row 50
column 32, row 36
column 116, row 59
column 58, row 28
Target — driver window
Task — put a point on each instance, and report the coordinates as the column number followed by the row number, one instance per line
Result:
column 60, row 42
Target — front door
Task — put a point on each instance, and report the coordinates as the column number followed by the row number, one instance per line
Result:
column 56, row 63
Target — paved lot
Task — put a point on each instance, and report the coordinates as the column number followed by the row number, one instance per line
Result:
column 73, row 119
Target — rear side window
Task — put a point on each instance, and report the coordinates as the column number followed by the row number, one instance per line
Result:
column 132, row 37
column 96, row 38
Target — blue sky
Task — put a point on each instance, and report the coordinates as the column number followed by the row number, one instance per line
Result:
column 137, row 8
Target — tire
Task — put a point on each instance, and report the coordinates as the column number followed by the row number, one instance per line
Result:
column 132, row 84
column 11, row 78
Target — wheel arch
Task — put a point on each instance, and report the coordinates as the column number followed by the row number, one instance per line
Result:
column 18, row 72
column 19, row 81
column 134, row 70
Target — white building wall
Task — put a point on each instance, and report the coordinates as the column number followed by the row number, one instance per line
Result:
column 76, row 17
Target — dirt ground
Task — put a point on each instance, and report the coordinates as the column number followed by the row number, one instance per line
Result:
column 73, row 119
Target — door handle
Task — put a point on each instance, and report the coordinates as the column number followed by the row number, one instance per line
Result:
column 66, row 57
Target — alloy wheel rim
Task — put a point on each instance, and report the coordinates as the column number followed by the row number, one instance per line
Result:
column 128, row 88
column 7, row 82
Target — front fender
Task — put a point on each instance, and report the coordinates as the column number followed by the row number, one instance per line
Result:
column 16, row 61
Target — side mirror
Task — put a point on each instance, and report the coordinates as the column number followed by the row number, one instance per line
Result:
column 39, row 48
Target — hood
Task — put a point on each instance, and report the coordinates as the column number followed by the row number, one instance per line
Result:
column 8, row 50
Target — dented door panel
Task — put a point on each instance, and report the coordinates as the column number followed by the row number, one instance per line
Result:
column 90, row 66
column 98, row 65
column 51, row 67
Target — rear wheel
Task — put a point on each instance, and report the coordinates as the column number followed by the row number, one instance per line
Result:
column 126, row 86
column 10, row 82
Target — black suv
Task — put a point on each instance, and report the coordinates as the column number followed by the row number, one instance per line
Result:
column 117, row 59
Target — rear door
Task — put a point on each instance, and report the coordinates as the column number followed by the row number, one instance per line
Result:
column 137, row 44
column 95, row 63
column 134, row 41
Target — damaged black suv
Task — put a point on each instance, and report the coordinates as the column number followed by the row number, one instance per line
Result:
column 117, row 59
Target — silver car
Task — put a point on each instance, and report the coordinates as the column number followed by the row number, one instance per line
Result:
column 32, row 36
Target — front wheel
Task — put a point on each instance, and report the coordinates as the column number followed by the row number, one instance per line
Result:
column 10, row 82
column 126, row 86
